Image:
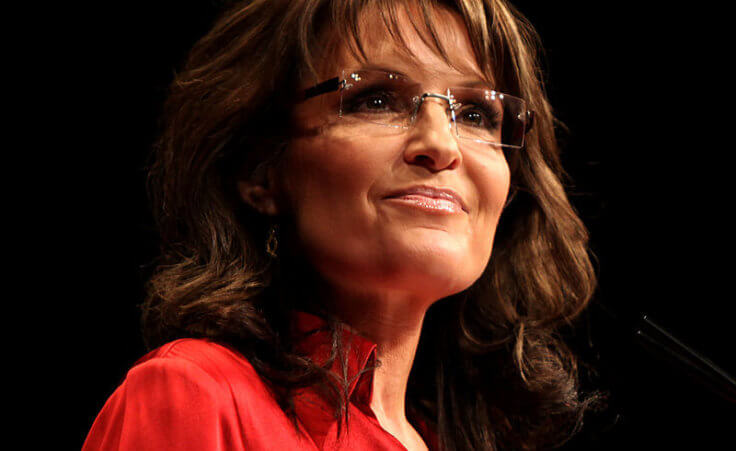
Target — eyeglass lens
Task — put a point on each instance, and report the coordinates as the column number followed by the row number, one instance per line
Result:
column 389, row 99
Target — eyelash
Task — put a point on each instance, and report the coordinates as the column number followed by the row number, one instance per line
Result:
column 488, row 115
column 356, row 102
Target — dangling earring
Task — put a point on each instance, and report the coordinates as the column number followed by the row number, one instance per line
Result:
column 514, row 190
column 272, row 242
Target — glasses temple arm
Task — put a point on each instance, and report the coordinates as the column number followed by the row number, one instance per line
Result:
column 333, row 84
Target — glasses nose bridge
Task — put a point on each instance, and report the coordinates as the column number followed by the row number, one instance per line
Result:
column 438, row 99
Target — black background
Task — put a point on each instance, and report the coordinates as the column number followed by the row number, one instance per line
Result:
column 647, row 99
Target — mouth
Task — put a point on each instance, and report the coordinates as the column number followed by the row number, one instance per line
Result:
column 434, row 199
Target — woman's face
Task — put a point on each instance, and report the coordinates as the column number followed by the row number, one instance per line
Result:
column 344, row 189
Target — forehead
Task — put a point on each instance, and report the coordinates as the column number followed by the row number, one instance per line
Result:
column 436, row 51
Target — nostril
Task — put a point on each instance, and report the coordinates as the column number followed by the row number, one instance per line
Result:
column 423, row 160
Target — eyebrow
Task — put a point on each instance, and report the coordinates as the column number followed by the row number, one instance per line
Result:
column 475, row 84
column 382, row 68
column 468, row 83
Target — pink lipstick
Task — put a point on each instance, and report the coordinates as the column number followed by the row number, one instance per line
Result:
column 437, row 200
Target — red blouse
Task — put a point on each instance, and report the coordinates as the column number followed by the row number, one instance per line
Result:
column 194, row 394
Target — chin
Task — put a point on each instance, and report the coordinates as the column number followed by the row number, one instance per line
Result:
column 434, row 268
column 428, row 264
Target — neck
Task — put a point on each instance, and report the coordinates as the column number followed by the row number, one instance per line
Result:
column 394, row 323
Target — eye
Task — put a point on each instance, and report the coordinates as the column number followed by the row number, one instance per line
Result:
column 479, row 117
column 376, row 102
column 372, row 102
column 473, row 117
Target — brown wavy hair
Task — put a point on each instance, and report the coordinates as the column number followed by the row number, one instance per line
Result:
column 491, row 371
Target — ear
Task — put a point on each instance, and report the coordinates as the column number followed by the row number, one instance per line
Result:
column 259, row 190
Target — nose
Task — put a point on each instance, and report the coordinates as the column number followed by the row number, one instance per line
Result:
column 431, row 141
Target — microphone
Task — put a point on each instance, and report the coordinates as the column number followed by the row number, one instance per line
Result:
column 662, row 343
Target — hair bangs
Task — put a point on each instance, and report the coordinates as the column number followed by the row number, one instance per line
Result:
column 341, row 26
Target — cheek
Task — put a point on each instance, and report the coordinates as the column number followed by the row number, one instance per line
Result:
column 327, row 181
column 321, row 172
column 492, row 179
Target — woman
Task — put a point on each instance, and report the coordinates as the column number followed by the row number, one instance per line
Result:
column 365, row 241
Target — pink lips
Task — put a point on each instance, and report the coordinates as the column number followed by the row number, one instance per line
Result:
column 441, row 200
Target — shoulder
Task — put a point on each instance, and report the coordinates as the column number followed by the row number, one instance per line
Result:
column 201, row 361
column 191, row 392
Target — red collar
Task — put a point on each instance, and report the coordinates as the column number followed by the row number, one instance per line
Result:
column 314, row 412
column 361, row 353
